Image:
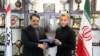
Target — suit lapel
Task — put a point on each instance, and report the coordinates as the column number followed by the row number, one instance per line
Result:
column 41, row 33
column 33, row 32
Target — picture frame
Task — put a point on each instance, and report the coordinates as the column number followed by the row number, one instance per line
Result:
column 22, row 23
column 49, row 7
column 14, row 21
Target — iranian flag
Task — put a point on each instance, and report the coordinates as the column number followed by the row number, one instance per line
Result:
column 84, row 45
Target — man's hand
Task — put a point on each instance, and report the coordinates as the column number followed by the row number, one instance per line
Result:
column 57, row 42
column 42, row 46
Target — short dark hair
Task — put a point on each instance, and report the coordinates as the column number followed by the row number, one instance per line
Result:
column 36, row 15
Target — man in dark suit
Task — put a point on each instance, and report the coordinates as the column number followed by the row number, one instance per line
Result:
column 31, row 36
column 65, row 37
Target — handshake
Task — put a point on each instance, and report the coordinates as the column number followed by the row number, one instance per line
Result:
column 44, row 45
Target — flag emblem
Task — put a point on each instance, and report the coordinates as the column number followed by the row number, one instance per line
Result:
column 86, row 33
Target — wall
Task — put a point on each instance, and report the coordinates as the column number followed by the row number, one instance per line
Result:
column 40, row 8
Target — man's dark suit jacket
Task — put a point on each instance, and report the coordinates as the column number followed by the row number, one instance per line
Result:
column 67, row 36
column 30, row 41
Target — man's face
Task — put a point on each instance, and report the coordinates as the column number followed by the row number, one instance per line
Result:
column 35, row 21
column 64, row 20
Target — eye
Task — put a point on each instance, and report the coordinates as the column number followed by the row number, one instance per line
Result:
column 61, row 19
column 65, row 20
column 37, row 20
column 33, row 20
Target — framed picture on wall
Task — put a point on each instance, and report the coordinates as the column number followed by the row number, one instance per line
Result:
column 22, row 22
column 49, row 7
column 14, row 21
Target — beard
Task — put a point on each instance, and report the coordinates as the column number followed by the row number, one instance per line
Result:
column 35, row 26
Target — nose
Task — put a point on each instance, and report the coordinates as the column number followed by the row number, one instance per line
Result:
column 36, row 22
column 62, row 21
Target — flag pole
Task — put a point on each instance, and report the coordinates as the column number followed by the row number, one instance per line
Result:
column 8, row 41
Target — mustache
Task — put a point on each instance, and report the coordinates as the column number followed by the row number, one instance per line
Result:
column 35, row 26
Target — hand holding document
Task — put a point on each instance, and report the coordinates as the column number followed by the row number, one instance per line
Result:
column 57, row 42
column 47, row 40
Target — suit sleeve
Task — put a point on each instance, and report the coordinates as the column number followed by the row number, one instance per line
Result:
column 72, row 41
column 25, row 41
